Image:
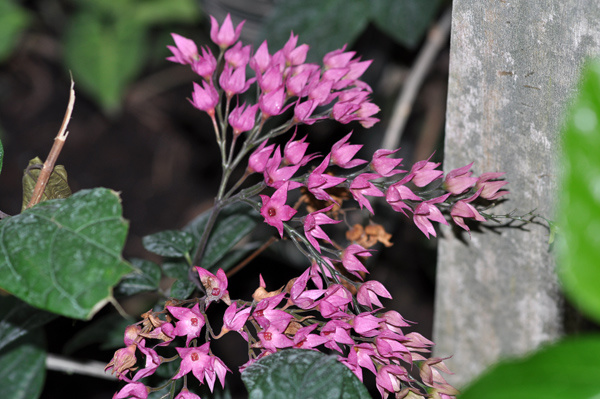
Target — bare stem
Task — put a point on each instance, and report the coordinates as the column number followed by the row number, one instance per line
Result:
column 59, row 141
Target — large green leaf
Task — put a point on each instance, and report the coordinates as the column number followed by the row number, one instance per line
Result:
column 302, row 374
column 234, row 223
column 579, row 209
column 18, row 318
column 568, row 369
column 23, row 367
column 404, row 20
column 13, row 20
column 105, row 55
column 325, row 25
column 64, row 255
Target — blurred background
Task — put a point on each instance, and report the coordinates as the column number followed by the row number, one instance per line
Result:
column 133, row 130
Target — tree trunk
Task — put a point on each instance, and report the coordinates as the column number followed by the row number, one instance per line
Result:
column 513, row 67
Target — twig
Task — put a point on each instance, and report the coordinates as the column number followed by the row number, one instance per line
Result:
column 89, row 367
column 435, row 40
column 59, row 141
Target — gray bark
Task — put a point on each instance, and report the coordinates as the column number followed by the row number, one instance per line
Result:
column 513, row 67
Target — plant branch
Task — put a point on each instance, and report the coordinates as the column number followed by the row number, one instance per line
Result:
column 59, row 141
column 435, row 40
column 89, row 367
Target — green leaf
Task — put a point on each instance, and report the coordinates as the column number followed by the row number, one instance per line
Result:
column 182, row 289
column 568, row 369
column 169, row 243
column 299, row 374
column 64, row 255
column 325, row 25
column 145, row 277
column 176, row 268
column 105, row 55
column 579, row 209
column 234, row 223
column 18, row 318
column 23, row 367
column 106, row 333
column 57, row 186
column 404, row 20
column 13, row 20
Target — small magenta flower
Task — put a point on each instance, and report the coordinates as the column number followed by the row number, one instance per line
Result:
column 424, row 172
column 383, row 165
column 490, row 185
column 194, row 359
column 397, row 193
column 293, row 152
column 318, row 181
column 242, row 119
column 342, row 153
column 259, row 158
column 185, row 394
column 426, row 211
column 272, row 339
column 123, row 360
column 152, row 363
column 389, row 379
column 206, row 65
column 266, row 314
column 303, row 339
column 303, row 111
column 361, row 186
column 233, row 80
column 190, row 322
column 275, row 175
column 274, row 209
column 351, row 262
column 463, row 209
column 459, row 180
column 312, row 226
column 238, row 56
column 215, row 286
column 261, row 59
column 337, row 332
column 272, row 103
column 185, row 50
column 369, row 292
column 135, row 390
column 224, row 36
column 294, row 55
column 271, row 80
column 366, row 324
column 205, row 99
column 234, row 320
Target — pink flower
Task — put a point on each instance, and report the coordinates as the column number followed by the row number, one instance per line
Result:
column 215, row 286
column 397, row 193
column 303, row 111
column 272, row 339
column 338, row 58
column 490, row 185
column 205, row 99
column 294, row 151
column 312, row 228
column 294, row 55
column 463, row 209
column 300, row 296
column 206, row 65
column 261, row 59
column 369, row 292
column 201, row 364
column 426, row 211
column 383, row 165
column 224, row 36
column 350, row 260
column 259, row 158
column 271, row 80
column 185, row 52
column 304, row 340
column 234, row 320
column 321, row 92
column 336, row 332
column 274, row 209
column 242, row 120
column 393, row 321
column 152, row 363
column 424, row 172
column 238, row 56
column 190, row 322
column 318, row 181
column 135, row 390
column 185, row 394
column 272, row 103
column 276, row 176
column 123, row 360
column 267, row 315
column 361, row 186
column 342, row 153
column 389, row 379
column 233, row 80
column 390, row 344
column 366, row 324
column 459, row 180
column 335, row 302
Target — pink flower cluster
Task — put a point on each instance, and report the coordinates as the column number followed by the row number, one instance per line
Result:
column 352, row 320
